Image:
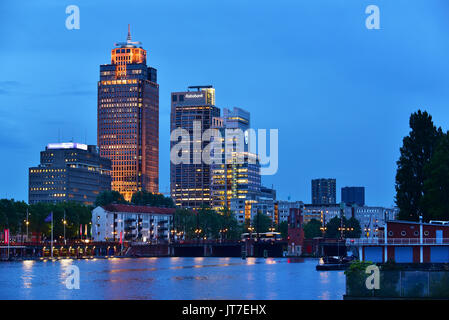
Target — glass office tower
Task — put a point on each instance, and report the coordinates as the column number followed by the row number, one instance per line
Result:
column 190, row 183
column 234, row 178
column 128, row 119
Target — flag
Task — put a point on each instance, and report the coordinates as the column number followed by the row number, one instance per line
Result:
column 49, row 218
column 121, row 237
column 7, row 236
column 81, row 230
column 85, row 229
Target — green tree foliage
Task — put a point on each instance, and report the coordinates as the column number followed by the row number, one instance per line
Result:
column 211, row 224
column 416, row 152
column 354, row 224
column 332, row 228
column 283, row 229
column 13, row 215
column 10, row 216
column 3, row 220
column 436, row 186
column 108, row 197
column 144, row 198
column 312, row 229
column 261, row 222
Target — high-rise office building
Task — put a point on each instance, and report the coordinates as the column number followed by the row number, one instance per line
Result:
column 324, row 191
column 239, row 176
column 128, row 119
column 190, row 182
column 353, row 195
column 69, row 172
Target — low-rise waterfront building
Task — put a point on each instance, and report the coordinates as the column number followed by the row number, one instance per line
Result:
column 406, row 242
column 132, row 223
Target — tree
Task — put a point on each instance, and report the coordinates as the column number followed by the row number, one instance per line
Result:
column 416, row 151
column 261, row 222
column 436, row 185
column 351, row 228
column 144, row 198
column 108, row 197
column 283, row 229
column 353, row 224
column 312, row 229
column 3, row 220
column 332, row 228
column 209, row 222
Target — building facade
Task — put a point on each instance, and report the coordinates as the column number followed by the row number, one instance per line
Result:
column 132, row 223
column 406, row 242
column 324, row 191
column 128, row 119
column 69, row 172
column 282, row 209
column 353, row 195
column 190, row 182
column 371, row 219
column 239, row 175
column 244, row 209
column 295, row 232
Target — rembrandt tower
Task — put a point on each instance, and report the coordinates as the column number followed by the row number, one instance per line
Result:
column 128, row 119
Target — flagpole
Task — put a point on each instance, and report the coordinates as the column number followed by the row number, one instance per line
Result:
column 65, row 242
column 7, row 233
column 52, row 235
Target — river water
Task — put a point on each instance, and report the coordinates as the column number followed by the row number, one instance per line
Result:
column 172, row 278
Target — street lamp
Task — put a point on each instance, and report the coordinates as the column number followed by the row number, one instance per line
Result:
column 27, row 223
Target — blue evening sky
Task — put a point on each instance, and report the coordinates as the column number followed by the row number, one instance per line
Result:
column 340, row 94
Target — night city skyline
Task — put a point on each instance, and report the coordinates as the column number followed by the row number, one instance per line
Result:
column 231, row 159
column 339, row 94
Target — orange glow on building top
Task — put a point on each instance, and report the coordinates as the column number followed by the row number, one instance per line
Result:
column 127, row 53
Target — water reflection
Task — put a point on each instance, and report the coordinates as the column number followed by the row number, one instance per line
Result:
column 27, row 276
column 172, row 278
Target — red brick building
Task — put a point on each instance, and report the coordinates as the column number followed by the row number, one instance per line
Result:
column 407, row 242
column 295, row 232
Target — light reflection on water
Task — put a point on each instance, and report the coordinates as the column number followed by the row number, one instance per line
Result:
column 172, row 278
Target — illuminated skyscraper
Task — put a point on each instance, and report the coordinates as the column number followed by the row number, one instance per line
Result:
column 128, row 119
column 235, row 182
column 190, row 183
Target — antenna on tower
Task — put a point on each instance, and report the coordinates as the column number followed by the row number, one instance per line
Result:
column 129, row 33
column 129, row 43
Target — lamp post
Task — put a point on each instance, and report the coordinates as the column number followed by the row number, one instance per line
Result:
column 27, row 223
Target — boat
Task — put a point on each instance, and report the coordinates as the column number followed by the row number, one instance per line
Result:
column 334, row 263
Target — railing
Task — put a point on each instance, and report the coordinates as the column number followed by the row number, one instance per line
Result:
column 60, row 242
column 397, row 241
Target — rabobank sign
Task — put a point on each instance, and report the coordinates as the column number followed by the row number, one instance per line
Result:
column 194, row 95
